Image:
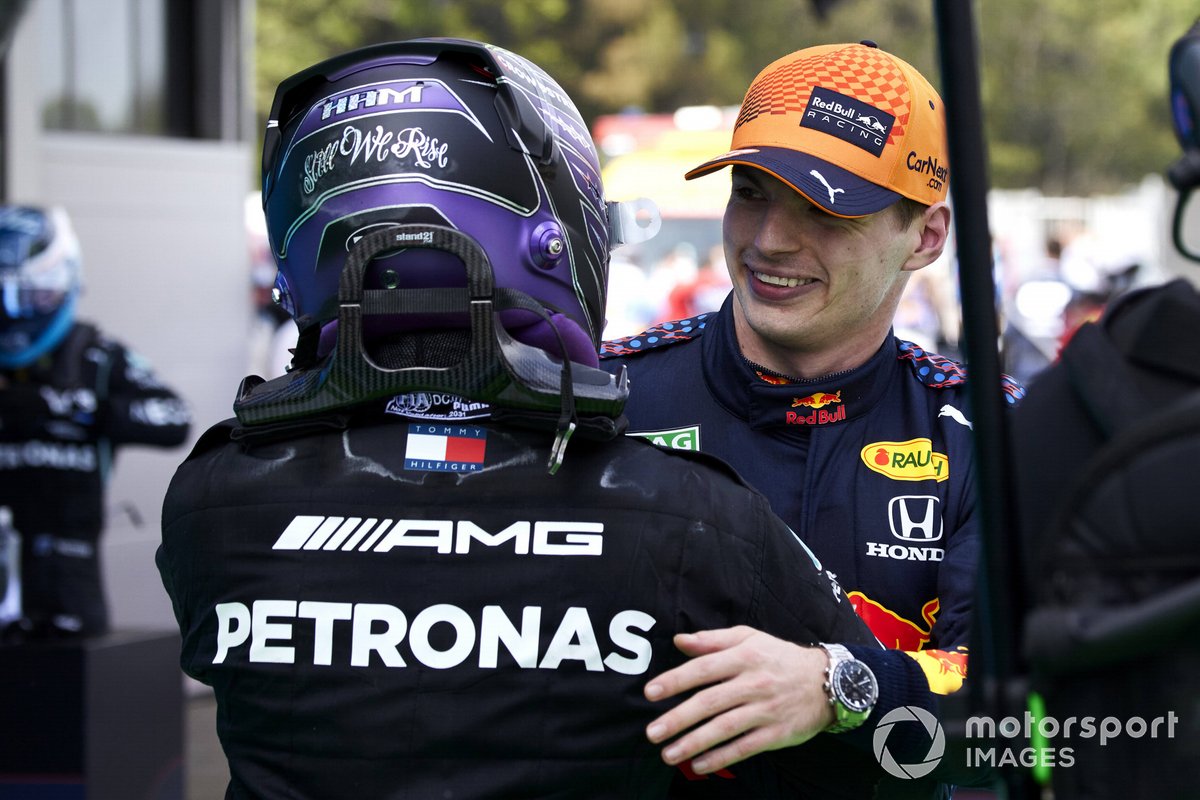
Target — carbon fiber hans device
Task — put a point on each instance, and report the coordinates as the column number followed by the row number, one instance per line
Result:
column 495, row 368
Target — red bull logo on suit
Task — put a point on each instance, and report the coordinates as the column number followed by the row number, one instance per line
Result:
column 817, row 400
column 891, row 629
column 820, row 416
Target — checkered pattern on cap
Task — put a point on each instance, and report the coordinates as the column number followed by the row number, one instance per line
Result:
column 849, row 126
column 870, row 76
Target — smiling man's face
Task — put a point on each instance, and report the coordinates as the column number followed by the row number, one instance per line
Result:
column 815, row 293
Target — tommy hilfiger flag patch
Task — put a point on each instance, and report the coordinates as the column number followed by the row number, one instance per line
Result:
column 445, row 448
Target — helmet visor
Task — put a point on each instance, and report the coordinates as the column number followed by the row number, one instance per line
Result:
column 39, row 261
column 29, row 292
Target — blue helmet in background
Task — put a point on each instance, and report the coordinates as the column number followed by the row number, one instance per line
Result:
column 1183, row 72
column 444, row 132
column 40, row 272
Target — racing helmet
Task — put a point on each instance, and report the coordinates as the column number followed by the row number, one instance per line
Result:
column 443, row 132
column 1183, row 70
column 40, row 272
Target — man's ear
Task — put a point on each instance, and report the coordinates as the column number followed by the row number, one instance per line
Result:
column 933, row 231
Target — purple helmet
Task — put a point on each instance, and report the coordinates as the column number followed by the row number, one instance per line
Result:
column 445, row 132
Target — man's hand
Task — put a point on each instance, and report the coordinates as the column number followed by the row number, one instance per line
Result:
column 762, row 693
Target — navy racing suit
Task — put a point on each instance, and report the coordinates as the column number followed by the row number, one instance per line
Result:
column 871, row 467
column 402, row 603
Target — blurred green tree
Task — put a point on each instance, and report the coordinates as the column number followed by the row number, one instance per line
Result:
column 1074, row 91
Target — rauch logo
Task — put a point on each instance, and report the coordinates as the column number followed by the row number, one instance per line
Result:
column 914, row 460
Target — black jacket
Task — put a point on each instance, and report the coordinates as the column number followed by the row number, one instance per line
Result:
column 411, row 608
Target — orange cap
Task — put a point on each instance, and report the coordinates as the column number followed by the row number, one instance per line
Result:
column 849, row 126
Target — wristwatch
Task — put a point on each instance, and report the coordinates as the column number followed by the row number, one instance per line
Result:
column 851, row 687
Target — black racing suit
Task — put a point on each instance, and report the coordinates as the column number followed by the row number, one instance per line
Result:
column 61, row 420
column 409, row 607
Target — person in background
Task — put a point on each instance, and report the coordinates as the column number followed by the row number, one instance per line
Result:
column 425, row 563
column 1087, row 304
column 70, row 396
column 703, row 292
column 861, row 442
column 1105, row 533
column 630, row 305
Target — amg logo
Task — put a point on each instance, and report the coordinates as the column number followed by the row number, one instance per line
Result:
column 901, row 552
column 540, row 538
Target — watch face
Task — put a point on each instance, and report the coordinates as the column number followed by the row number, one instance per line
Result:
column 854, row 685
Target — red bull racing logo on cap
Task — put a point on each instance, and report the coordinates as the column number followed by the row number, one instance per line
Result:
column 849, row 119
column 820, row 415
column 914, row 460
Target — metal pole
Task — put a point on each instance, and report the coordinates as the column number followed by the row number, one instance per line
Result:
column 996, row 687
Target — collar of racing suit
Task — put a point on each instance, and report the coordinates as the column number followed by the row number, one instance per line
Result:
column 796, row 405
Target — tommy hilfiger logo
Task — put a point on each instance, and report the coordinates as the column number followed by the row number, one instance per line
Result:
column 445, row 448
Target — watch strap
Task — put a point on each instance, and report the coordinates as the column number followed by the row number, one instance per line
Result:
column 845, row 718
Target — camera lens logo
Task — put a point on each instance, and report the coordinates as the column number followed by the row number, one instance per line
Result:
column 937, row 746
